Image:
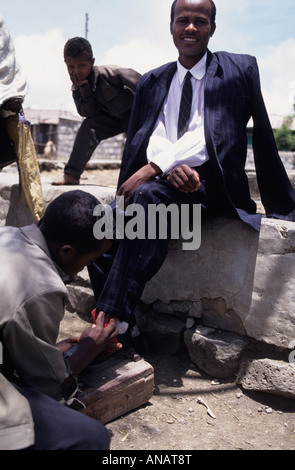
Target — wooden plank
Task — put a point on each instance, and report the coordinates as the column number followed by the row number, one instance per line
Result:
column 115, row 387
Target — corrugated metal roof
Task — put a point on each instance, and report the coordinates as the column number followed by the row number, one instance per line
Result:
column 41, row 116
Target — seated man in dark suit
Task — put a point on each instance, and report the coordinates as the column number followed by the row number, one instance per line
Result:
column 195, row 159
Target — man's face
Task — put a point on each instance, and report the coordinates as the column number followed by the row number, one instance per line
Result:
column 79, row 68
column 192, row 30
column 77, row 263
column 72, row 262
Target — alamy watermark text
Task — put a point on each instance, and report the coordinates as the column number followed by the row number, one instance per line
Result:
column 158, row 221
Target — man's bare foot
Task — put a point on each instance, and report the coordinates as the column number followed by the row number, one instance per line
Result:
column 66, row 180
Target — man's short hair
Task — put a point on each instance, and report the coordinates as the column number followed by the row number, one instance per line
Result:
column 76, row 47
column 69, row 220
column 213, row 11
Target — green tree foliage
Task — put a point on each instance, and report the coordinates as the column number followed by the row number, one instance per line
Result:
column 285, row 137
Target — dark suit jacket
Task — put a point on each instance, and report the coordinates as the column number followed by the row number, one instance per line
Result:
column 232, row 97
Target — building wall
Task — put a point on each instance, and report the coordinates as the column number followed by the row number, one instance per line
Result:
column 110, row 149
column 67, row 131
column 288, row 159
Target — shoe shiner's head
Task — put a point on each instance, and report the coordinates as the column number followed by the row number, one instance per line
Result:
column 67, row 226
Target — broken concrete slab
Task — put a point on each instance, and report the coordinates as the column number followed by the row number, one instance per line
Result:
column 81, row 300
column 254, row 189
column 244, row 280
column 268, row 375
column 160, row 332
column 217, row 353
column 14, row 212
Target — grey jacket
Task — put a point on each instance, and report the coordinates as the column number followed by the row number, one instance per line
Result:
column 32, row 295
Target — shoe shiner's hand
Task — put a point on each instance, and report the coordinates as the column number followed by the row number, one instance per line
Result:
column 113, row 344
column 92, row 342
column 97, row 338
column 143, row 175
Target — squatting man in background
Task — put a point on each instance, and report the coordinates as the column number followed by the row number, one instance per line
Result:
column 191, row 154
column 36, row 376
column 103, row 95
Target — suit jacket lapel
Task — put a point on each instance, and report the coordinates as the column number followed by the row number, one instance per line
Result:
column 156, row 90
column 159, row 87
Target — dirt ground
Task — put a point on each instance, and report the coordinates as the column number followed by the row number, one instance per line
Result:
column 175, row 420
column 98, row 177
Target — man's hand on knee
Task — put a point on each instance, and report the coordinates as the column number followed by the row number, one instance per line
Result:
column 143, row 175
column 184, row 178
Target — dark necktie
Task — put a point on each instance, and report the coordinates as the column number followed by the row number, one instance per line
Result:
column 185, row 106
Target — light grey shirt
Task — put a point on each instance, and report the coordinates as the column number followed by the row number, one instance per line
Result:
column 32, row 296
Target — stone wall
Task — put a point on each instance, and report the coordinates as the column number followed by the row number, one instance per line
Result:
column 12, row 210
column 109, row 149
column 238, row 280
column 288, row 159
column 67, row 131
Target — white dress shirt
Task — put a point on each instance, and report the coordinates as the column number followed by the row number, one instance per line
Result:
column 164, row 149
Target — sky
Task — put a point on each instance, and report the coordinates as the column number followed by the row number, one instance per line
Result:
column 136, row 34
